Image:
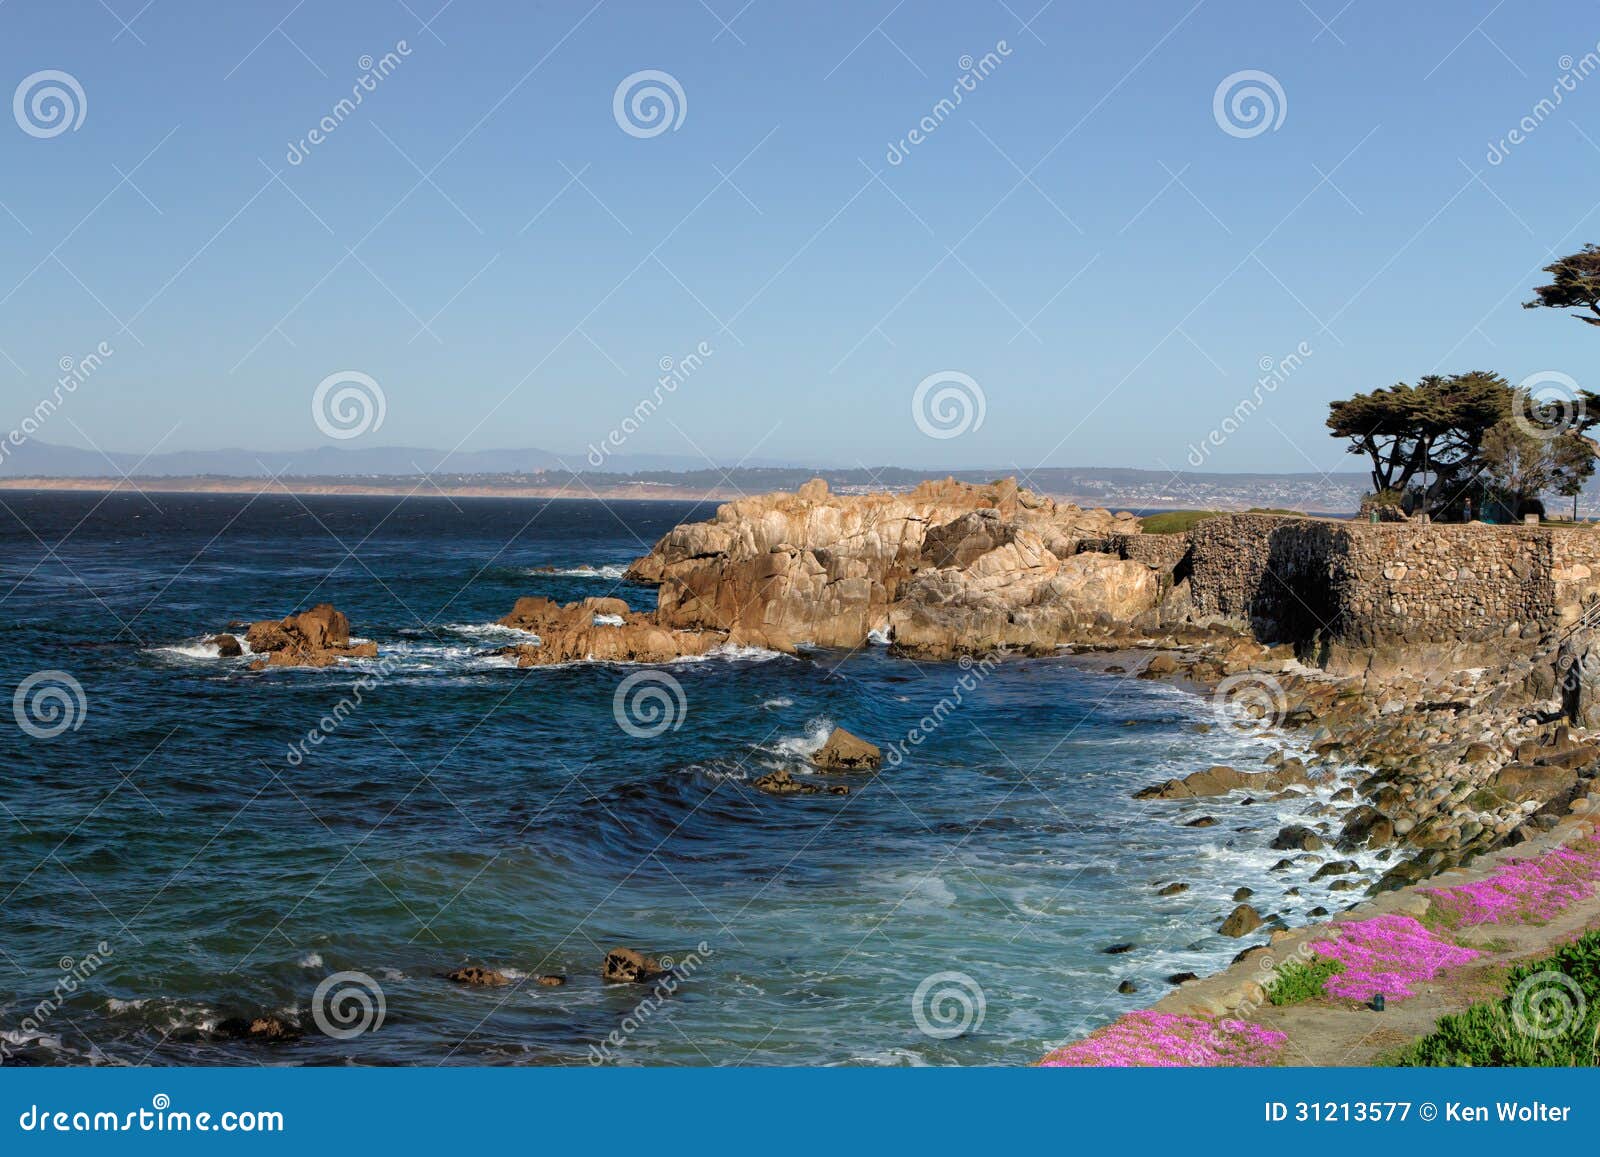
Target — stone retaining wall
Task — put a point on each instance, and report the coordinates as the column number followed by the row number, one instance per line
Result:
column 1364, row 585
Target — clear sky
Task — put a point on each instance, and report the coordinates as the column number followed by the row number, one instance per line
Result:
column 1081, row 236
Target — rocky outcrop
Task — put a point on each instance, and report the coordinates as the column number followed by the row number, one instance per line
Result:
column 946, row 568
column 1431, row 772
column 1019, row 596
column 319, row 637
column 605, row 630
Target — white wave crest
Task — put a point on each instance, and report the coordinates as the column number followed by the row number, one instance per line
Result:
column 606, row 571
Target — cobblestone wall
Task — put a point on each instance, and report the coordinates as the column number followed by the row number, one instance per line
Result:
column 1365, row 585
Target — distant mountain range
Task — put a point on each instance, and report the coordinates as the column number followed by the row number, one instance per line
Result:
column 384, row 469
column 44, row 460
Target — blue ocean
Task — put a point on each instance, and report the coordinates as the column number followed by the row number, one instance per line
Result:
column 178, row 858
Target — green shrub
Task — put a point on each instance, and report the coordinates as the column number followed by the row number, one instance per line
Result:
column 1298, row 980
column 1550, row 1016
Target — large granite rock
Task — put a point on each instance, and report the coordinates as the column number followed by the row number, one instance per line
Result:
column 948, row 567
column 605, row 630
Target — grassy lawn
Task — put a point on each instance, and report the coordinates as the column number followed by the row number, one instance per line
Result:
column 1178, row 521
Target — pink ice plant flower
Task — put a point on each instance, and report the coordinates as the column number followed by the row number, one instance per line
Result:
column 1147, row 1039
column 1387, row 955
column 1524, row 891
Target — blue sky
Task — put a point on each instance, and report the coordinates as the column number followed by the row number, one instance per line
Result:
column 1079, row 237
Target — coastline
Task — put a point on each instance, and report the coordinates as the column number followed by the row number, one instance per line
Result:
column 420, row 486
column 406, row 488
column 1331, row 1032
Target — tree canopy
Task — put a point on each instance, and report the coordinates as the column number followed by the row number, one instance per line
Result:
column 1574, row 283
column 1432, row 428
column 1472, row 433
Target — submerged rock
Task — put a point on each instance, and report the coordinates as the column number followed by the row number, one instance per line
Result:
column 261, row 1028
column 625, row 966
column 1221, row 779
column 1335, row 868
column 780, row 782
column 1297, row 837
column 478, row 977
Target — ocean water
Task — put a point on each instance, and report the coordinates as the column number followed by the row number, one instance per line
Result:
column 953, row 909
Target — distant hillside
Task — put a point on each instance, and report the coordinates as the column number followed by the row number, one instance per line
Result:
column 399, row 469
column 45, row 460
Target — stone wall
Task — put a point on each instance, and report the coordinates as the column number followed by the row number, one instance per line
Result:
column 1164, row 552
column 1448, row 591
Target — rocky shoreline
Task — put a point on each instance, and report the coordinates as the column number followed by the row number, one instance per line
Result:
column 1423, row 766
column 1447, row 779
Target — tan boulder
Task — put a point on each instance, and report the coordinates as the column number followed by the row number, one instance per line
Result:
column 1241, row 921
column 843, row 751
